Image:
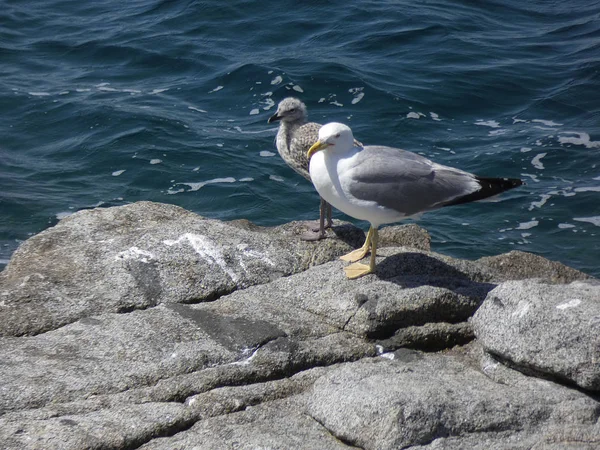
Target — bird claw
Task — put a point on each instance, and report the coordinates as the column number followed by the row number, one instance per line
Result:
column 355, row 255
column 357, row 270
column 313, row 235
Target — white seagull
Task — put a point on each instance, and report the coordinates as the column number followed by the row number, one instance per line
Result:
column 384, row 185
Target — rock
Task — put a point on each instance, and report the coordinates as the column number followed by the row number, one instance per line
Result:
column 137, row 256
column 549, row 330
column 416, row 399
column 146, row 326
column 517, row 265
column 410, row 235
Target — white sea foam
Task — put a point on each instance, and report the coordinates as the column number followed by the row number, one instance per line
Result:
column 336, row 103
column 358, row 98
column 587, row 189
column 277, row 178
column 358, row 94
column 488, row 123
column 196, row 186
column 415, row 115
column 578, row 139
column 548, row 123
column 239, row 130
column 277, row 80
column 116, row 173
column 544, row 198
column 526, row 149
column 536, row 161
column 534, row 178
column 435, row 116
column 193, row 108
column 155, row 161
column 595, row 220
column 158, row 91
column 61, row 215
column 565, row 225
column 297, row 88
column 266, row 153
column 247, row 179
column 254, row 111
column 527, row 225
column 39, row 94
column 218, row 88
column 268, row 103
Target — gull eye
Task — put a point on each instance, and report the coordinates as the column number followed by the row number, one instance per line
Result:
column 337, row 135
column 293, row 110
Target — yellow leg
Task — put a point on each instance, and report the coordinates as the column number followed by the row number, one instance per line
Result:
column 357, row 270
column 360, row 253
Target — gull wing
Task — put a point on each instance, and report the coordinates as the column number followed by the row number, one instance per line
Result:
column 405, row 182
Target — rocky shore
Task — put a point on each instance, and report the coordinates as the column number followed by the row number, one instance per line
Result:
column 147, row 326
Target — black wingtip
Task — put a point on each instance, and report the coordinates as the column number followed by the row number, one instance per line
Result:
column 489, row 188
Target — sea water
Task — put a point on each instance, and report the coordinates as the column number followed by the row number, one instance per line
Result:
column 106, row 103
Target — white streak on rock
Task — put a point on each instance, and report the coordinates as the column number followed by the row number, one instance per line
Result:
column 570, row 304
column 206, row 249
column 521, row 309
column 135, row 253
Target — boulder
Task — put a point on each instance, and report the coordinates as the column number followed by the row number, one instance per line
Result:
column 549, row 330
column 426, row 399
column 146, row 326
column 140, row 255
column 517, row 265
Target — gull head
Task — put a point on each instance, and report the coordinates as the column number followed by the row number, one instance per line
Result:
column 333, row 136
column 290, row 109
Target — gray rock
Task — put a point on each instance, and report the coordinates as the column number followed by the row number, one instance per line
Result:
column 137, row 256
column 544, row 329
column 148, row 326
column 416, row 399
column 278, row 425
column 410, row 235
column 517, row 265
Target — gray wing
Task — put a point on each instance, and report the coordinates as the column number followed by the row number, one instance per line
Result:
column 404, row 181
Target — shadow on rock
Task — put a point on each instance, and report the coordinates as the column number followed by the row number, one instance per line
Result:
column 413, row 269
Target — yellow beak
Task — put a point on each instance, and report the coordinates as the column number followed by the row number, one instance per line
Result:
column 315, row 148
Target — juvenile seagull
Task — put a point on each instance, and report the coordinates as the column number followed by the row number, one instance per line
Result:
column 385, row 184
column 294, row 138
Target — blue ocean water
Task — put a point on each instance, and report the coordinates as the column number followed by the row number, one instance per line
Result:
column 105, row 103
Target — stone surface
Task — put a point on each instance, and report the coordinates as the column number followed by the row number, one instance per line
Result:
column 417, row 398
column 545, row 329
column 517, row 265
column 147, row 326
column 137, row 256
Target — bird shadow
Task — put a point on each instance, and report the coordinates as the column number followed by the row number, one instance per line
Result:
column 349, row 234
column 414, row 269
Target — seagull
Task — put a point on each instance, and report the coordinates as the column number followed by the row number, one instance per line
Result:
column 294, row 138
column 383, row 185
